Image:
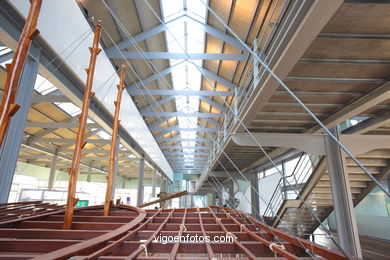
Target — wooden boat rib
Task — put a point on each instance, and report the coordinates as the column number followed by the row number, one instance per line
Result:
column 128, row 233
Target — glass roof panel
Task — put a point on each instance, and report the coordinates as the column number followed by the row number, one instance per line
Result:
column 183, row 38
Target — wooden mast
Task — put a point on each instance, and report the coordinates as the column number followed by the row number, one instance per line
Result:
column 8, row 107
column 80, row 143
column 110, row 176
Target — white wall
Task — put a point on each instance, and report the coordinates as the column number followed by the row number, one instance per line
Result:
column 267, row 187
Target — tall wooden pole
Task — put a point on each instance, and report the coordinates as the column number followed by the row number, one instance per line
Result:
column 110, row 176
column 80, row 143
column 14, row 72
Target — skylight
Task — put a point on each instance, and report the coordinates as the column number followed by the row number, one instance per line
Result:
column 43, row 86
column 185, row 37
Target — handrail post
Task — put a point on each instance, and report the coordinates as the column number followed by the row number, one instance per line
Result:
column 80, row 142
column 14, row 72
column 110, row 176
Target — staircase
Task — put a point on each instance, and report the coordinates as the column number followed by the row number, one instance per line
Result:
column 315, row 190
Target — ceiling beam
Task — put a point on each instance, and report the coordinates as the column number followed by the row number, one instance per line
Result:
column 47, row 98
column 6, row 56
column 180, row 114
column 355, row 36
column 184, row 153
column 51, row 152
column 213, row 103
column 176, row 56
column 57, row 125
column 369, row 124
column 169, row 92
column 161, row 28
column 48, row 131
column 179, row 139
column 70, row 140
column 344, row 61
column 176, row 128
column 374, row 97
column 346, row 80
column 157, row 104
column 200, row 147
column 169, row 70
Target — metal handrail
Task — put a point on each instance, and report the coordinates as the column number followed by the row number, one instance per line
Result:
column 302, row 171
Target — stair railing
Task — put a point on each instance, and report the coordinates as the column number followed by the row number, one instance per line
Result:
column 288, row 186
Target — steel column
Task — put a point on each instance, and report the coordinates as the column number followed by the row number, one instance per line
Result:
column 89, row 172
column 342, row 197
column 10, row 149
column 123, row 182
column 8, row 106
column 162, row 184
column 140, row 192
column 254, row 197
column 230, row 191
column 154, row 184
column 52, row 174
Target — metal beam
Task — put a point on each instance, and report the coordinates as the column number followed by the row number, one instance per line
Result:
column 342, row 198
column 369, row 124
column 157, row 104
column 213, row 122
column 6, row 56
column 373, row 98
column 154, row 183
column 9, row 151
column 57, row 125
column 348, row 80
column 217, row 78
column 344, row 61
column 50, row 99
column 313, row 143
column 161, row 28
column 213, row 103
column 169, row 92
column 361, row 36
column 177, row 128
column 140, row 191
column 169, row 70
column 151, row 78
column 367, row 1
column 184, row 153
column 178, row 147
column 69, row 140
column 187, row 159
column 255, row 208
column 47, row 131
column 179, row 139
column 176, row 56
column 52, row 173
column 179, row 114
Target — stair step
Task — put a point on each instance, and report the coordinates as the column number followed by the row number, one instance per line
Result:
column 369, row 162
column 354, row 184
column 352, row 177
column 319, row 190
column 376, row 154
column 356, row 169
